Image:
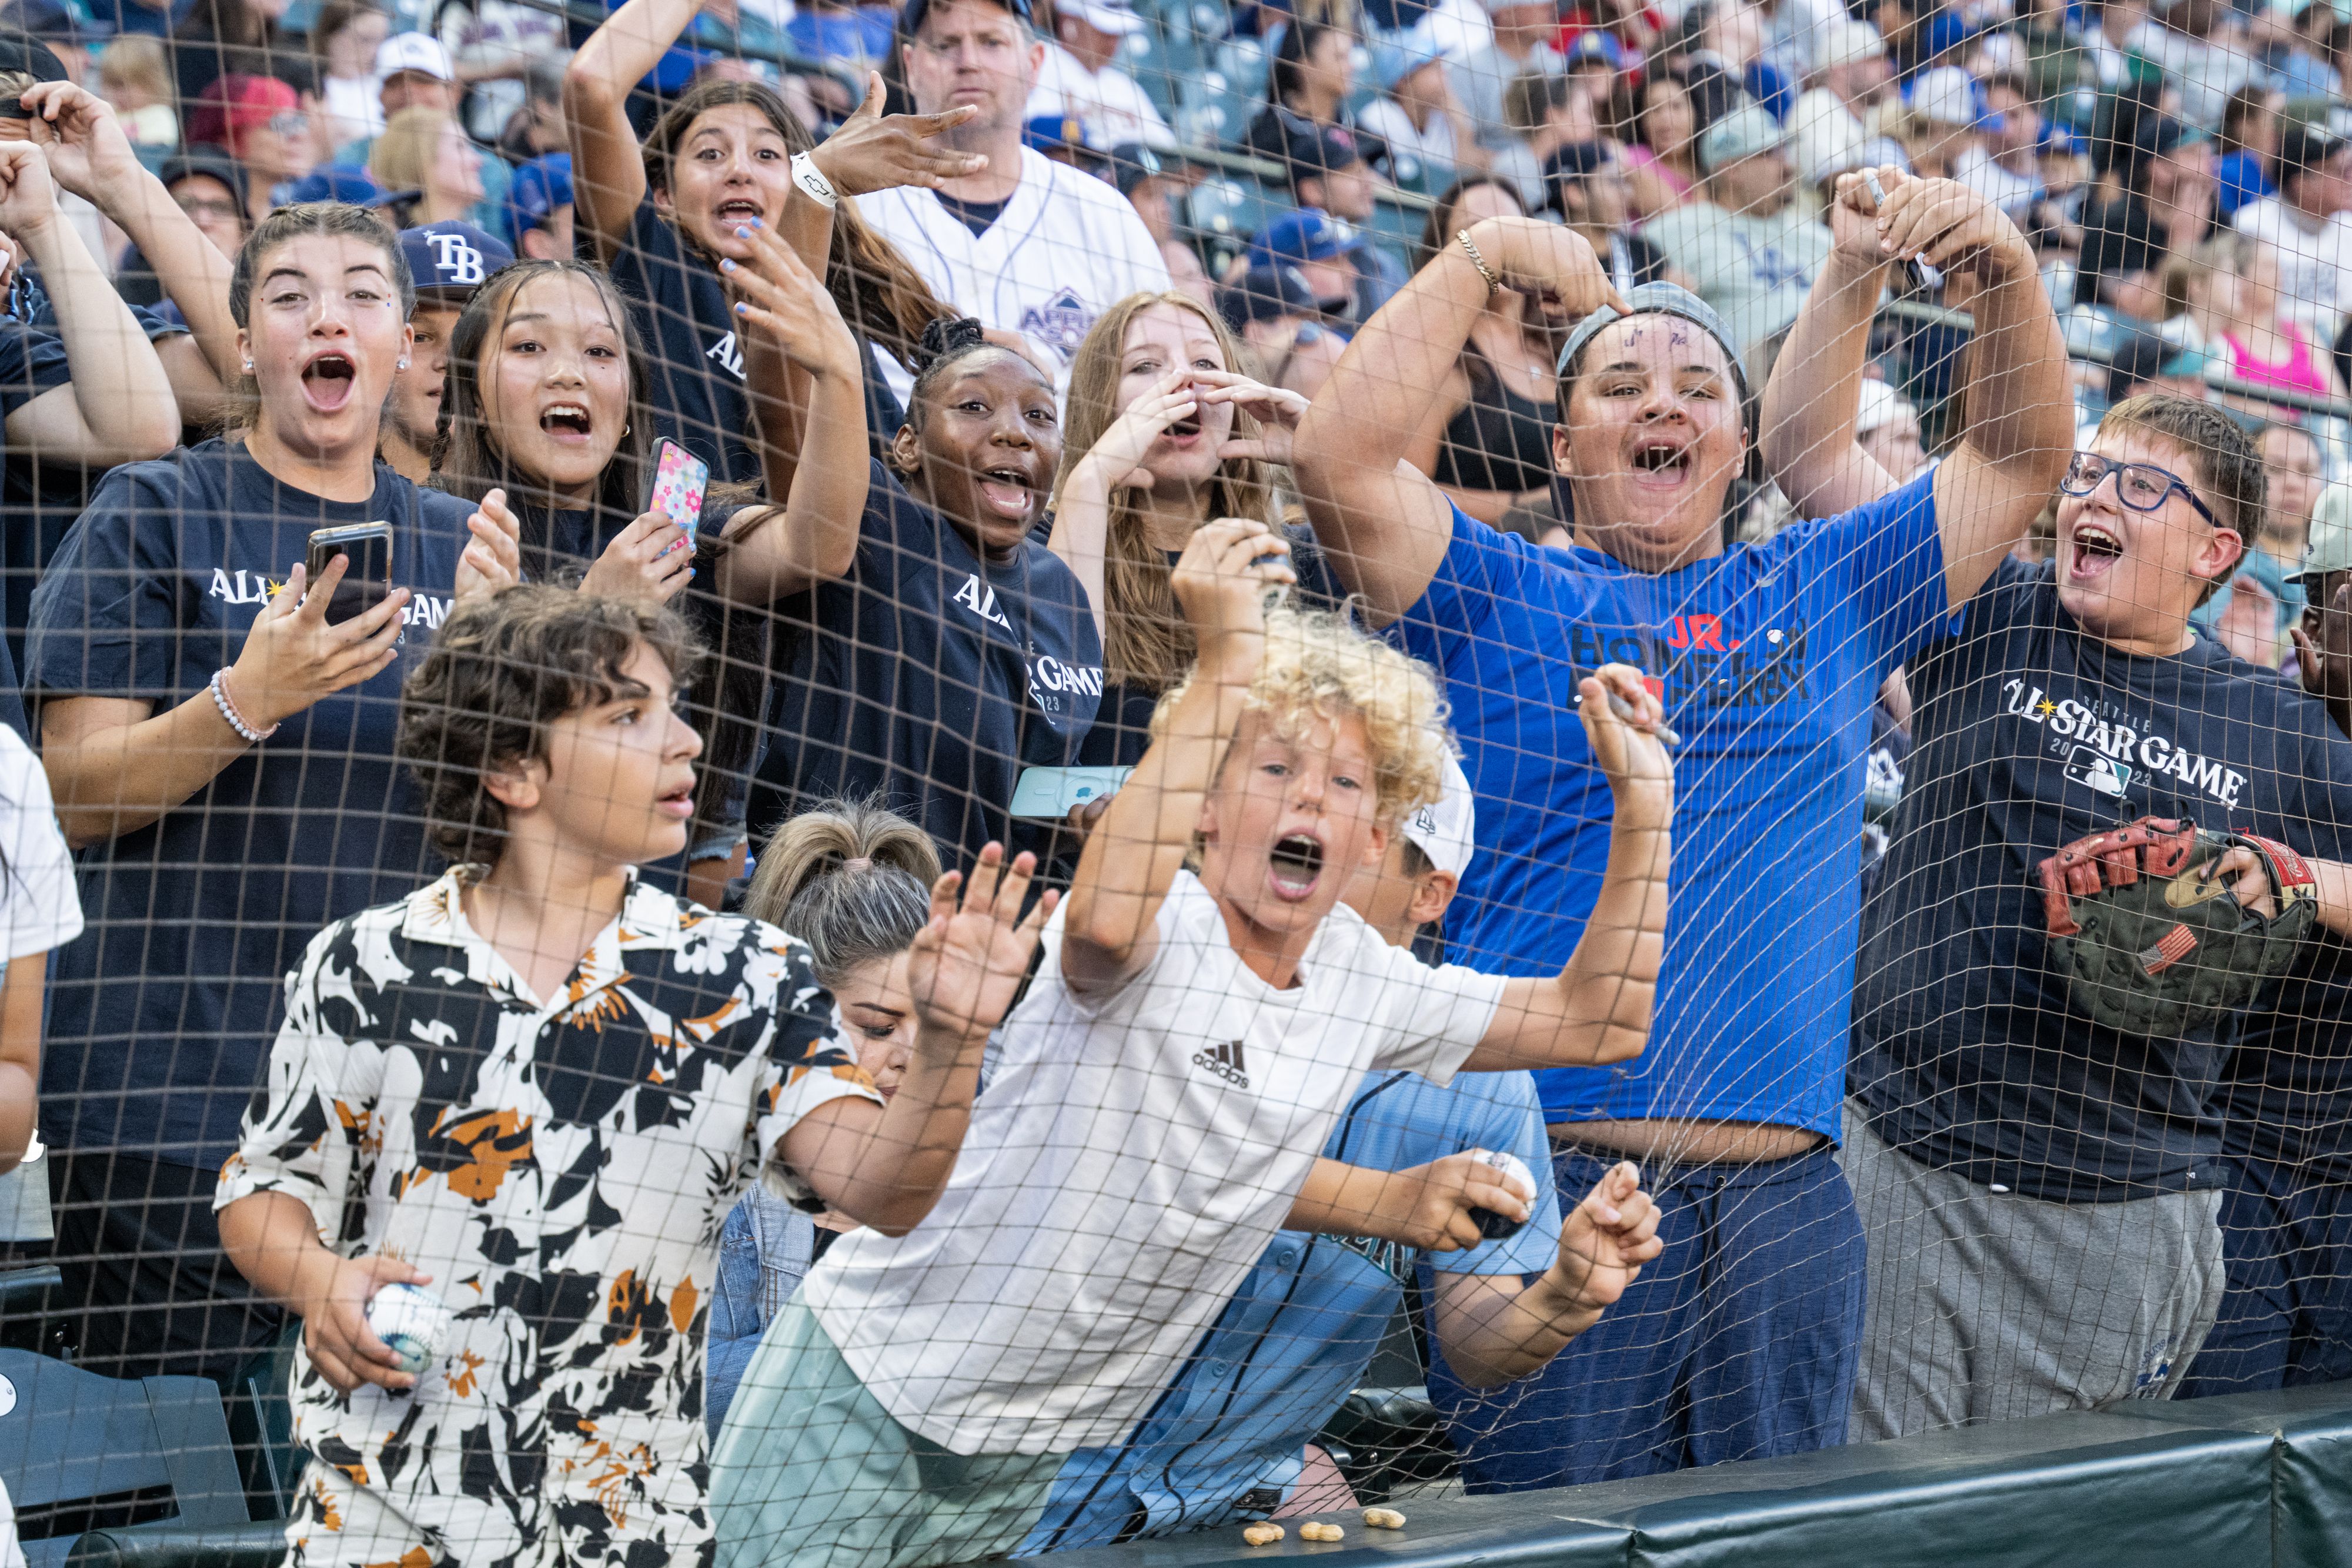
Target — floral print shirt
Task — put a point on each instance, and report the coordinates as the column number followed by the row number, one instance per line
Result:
column 561, row 1169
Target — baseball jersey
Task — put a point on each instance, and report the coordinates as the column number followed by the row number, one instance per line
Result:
column 1065, row 248
column 1131, row 1159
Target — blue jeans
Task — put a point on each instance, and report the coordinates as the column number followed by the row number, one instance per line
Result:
column 1739, row 1343
column 763, row 1250
column 2287, row 1314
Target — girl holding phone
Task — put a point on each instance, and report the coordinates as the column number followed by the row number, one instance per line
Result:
column 545, row 400
column 208, row 727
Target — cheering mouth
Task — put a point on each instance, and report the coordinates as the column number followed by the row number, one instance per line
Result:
column 567, row 422
column 327, row 381
column 2096, row 549
column 1661, row 463
column 1294, row 866
column 1009, row 492
column 736, row 211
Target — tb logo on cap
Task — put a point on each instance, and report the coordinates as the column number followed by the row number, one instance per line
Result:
column 455, row 259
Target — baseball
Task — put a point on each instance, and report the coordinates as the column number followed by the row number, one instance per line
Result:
column 1495, row 1227
column 411, row 1321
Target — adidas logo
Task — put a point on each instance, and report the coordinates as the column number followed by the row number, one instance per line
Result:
column 1225, row 1061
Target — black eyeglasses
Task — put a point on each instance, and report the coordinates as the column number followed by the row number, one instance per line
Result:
column 2142, row 486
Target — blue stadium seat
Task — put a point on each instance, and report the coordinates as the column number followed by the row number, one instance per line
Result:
column 72, row 1443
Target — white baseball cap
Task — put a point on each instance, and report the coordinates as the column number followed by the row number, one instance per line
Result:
column 413, row 52
column 1946, row 95
column 1842, row 41
column 1446, row 829
column 1115, row 17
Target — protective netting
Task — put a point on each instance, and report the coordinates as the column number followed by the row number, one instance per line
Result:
column 821, row 786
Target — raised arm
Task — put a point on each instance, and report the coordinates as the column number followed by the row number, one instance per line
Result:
column 1131, row 858
column 1384, row 526
column 794, row 334
column 1596, row 1010
column 89, row 156
column 608, row 173
column 1814, row 396
column 118, row 407
column 2020, row 426
column 885, row 1166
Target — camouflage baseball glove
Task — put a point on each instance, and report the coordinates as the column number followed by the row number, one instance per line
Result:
column 2150, row 944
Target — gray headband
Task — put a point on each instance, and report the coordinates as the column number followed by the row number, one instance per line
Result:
column 1655, row 300
column 1659, row 299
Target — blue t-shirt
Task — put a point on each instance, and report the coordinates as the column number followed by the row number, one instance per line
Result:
column 2028, row 735
column 163, row 1010
column 1767, row 658
column 1293, row 1341
column 928, row 677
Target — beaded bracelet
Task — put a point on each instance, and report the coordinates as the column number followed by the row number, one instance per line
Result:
column 228, row 710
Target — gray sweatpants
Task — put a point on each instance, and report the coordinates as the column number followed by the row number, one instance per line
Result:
column 1987, row 1306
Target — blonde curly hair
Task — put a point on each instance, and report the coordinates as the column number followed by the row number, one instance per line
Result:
column 1320, row 665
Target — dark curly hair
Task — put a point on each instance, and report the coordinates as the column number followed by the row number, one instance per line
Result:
column 501, row 671
column 944, row 342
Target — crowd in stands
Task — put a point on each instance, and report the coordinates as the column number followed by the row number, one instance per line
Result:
column 1287, row 601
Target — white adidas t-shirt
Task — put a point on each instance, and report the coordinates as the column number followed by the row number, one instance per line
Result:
column 1128, row 1160
column 1066, row 247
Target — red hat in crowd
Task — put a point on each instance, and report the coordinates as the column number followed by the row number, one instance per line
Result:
column 235, row 105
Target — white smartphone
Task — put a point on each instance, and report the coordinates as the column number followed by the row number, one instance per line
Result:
column 1049, row 794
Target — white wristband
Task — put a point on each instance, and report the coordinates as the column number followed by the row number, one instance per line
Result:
column 814, row 183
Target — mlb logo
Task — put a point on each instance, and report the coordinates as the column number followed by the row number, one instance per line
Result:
column 2099, row 770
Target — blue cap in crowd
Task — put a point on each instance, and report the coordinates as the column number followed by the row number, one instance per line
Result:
column 911, row 20
column 1304, row 235
column 1266, row 294
column 452, row 258
column 332, row 183
column 539, row 187
column 1055, row 133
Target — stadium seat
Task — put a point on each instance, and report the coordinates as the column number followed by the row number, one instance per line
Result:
column 75, row 1448
column 176, row 1545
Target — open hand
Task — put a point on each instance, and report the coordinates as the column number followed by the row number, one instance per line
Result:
column 651, row 560
column 1606, row 1238
column 293, row 658
column 966, row 964
column 492, row 558
column 334, row 1319
column 875, row 152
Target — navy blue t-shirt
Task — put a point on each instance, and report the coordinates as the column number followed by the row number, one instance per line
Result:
column 2286, row 1091
column 927, row 677
column 698, row 396
column 1769, row 658
column 2027, row 735
column 162, row 1011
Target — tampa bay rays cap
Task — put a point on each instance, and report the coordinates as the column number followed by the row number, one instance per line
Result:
column 1446, row 829
column 450, row 260
column 1308, row 234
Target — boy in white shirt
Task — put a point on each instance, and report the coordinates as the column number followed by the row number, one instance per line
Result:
column 1161, row 1095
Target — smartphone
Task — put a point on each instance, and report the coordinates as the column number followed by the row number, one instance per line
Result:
column 367, row 580
column 1049, row 794
column 680, row 483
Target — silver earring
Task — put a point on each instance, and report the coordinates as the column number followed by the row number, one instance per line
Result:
column 625, row 430
column 400, row 366
column 249, row 367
